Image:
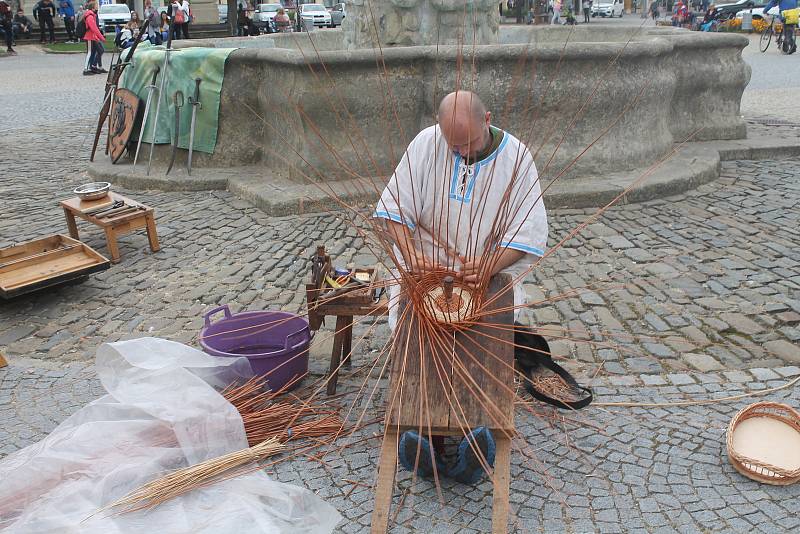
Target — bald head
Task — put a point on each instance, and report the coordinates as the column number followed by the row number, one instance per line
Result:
column 464, row 122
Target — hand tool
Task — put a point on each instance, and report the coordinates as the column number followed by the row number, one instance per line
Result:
column 164, row 72
column 126, row 210
column 114, row 74
column 195, row 103
column 178, row 99
column 150, row 89
column 96, row 211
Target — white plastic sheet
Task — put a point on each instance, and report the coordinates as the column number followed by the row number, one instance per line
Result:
column 161, row 413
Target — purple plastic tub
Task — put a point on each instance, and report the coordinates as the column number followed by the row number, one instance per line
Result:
column 275, row 342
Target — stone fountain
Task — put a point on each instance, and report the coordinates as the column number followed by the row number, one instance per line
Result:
column 333, row 106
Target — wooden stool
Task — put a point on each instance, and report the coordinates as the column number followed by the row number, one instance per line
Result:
column 114, row 226
column 422, row 392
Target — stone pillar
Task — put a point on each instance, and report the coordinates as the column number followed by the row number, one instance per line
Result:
column 420, row 22
column 205, row 12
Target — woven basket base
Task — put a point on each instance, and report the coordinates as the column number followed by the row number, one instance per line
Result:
column 764, row 443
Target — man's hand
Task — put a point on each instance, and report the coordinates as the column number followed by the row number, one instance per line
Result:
column 418, row 262
column 471, row 272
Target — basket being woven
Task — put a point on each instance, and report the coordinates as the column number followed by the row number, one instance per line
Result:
column 775, row 415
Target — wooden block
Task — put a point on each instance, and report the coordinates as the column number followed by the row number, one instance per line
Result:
column 420, row 388
column 3, row 362
column 483, row 383
column 466, row 382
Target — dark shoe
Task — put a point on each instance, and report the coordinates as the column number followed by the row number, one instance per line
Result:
column 469, row 466
column 411, row 445
column 89, row 73
column 101, row 70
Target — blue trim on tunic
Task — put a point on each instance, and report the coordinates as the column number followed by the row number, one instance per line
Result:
column 522, row 247
column 467, row 197
column 395, row 218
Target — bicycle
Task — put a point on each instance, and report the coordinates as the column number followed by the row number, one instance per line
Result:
column 766, row 36
column 786, row 33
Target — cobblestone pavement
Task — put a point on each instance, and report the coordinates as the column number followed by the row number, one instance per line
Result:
column 682, row 294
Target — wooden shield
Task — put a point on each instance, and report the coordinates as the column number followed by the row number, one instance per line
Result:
column 124, row 109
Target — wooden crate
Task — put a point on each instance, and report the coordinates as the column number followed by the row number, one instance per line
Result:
column 46, row 262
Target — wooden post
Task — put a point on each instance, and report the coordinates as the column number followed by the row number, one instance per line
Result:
column 447, row 286
column 336, row 355
column 347, row 345
column 502, row 475
column 111, row 241
column 385, row 487
column 71, row 225
column 152, row 234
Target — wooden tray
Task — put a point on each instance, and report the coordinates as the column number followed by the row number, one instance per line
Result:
column 46, row 262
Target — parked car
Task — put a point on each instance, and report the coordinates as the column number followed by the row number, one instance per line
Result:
column 337, row 15
column 728, row 11
column 222, row 10
column 758, row 13
column 608, row 8
column 264, row 15
column 309, row 15
column 111, row 15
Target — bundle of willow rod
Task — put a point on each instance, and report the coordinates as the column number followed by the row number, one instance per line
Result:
column 187, row 479
column 264, row 418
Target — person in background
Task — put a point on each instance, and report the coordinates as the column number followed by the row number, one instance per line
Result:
column 241, row 21
column 7, row 27
column 282, row 21
column 556, row 12
column 181, row 14
column 66, row 10
column 151, row 16
column 94, row 41
column 587, row 8
column 789, row 44
column 22, row 25
column 129, row 33
column 654, row 10
column 163, row 26
column 710, row 18
column 44, row 11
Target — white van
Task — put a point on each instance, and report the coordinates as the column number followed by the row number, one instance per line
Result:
column 608, row 8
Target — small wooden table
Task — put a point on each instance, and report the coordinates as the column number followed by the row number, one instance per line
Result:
column 113, row 226
column 344, row 308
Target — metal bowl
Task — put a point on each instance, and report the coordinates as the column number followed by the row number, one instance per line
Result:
column 93, row 191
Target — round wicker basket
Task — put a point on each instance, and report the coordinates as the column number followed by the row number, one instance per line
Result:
column 762, row 443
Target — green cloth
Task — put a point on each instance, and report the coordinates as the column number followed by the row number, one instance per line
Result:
column 186, row 64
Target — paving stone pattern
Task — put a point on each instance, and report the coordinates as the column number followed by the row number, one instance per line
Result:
column 693, row 295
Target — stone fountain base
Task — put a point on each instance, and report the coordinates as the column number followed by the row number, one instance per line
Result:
column 297, row 108
column 693, row 165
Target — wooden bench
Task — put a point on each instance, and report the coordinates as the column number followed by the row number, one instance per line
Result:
column 423, row 390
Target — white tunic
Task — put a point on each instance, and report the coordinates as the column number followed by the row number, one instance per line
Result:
column 467, row 208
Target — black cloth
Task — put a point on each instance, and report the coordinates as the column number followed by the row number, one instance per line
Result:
column 532, row 355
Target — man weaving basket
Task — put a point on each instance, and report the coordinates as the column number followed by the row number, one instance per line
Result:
column 464, row 191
